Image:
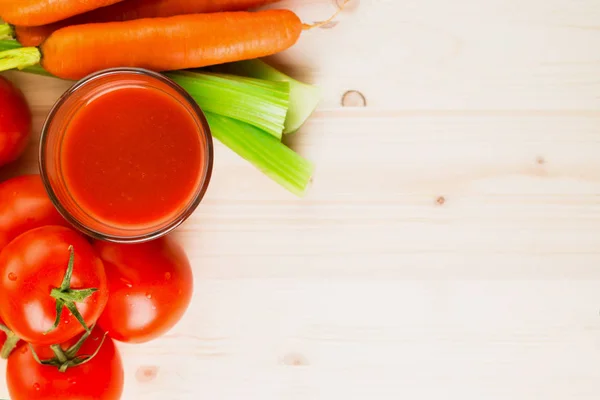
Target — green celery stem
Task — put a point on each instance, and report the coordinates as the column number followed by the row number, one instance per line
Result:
column 19, row 58
column 6, row 31
column 264, row 151
column 304, row 98
column 261, row 103
column 13, row 44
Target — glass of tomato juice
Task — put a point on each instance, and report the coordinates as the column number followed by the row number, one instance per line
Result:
column 126, row 155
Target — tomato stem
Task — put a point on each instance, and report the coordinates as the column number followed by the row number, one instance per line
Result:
column 10, row 343
column 65, row 359
column 72, row 351
column 67, row 297
column 59, row 353
column 80, row 360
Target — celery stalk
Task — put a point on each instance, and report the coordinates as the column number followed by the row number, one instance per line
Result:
column 261, row 103
column 6, row 31
column 20, row 58
column 304, row 98
column 13, row 44
column 13, row 56
column 265, row 152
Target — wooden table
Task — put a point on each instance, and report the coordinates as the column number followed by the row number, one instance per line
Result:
column 450, row 244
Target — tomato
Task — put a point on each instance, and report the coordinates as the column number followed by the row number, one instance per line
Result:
column 101, row 378
column 32, row 272
column 150, row 288
column 24, row 205
column 15, row 122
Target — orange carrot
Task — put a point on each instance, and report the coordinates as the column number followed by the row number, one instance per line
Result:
column 160, row 44
column 163, row 44
column 41, row 12
column 135, row 9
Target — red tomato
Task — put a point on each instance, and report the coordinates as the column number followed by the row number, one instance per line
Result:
column 34, row 264
column 24, row 205
column 150, row 288
column 15, row 122
column 101, row 378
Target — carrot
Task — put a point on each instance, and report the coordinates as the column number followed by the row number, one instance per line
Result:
column 135, row 9
column 41, row 12
column 160, row 44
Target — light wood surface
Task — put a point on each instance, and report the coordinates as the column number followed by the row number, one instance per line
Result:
column 450, row 245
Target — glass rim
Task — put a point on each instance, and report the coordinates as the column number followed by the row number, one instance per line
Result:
column 173, row 222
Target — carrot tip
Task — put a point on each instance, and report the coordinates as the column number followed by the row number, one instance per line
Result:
column 328, row 20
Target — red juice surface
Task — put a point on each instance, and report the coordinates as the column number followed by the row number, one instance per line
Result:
column 132, row 156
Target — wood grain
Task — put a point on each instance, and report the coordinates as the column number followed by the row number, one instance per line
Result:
column 450, row 244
